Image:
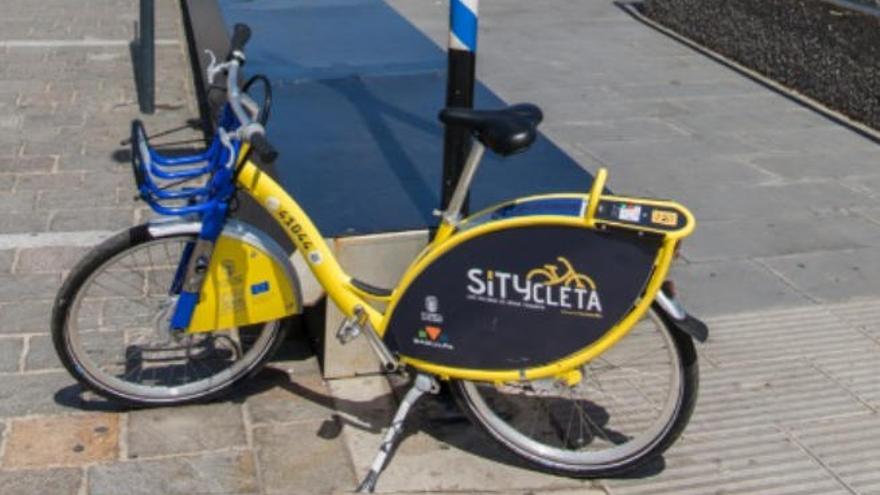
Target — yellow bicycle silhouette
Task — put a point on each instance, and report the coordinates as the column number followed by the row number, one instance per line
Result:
column 569, row 277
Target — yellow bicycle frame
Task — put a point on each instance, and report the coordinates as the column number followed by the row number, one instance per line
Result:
column 338, row 284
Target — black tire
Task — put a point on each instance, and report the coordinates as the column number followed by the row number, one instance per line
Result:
column 104, row 255
column 464, row 393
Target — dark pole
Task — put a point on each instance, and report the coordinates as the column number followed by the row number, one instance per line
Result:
column 147, row 57
column 459, row 90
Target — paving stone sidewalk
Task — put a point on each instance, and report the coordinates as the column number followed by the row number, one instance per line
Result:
column 784, row 265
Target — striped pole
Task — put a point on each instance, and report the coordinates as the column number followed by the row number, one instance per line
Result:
column 146, row 72
column 459, row 90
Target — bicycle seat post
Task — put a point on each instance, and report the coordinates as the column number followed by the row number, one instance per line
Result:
column 452, row 215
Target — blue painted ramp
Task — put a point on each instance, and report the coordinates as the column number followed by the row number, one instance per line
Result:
column 357, row 89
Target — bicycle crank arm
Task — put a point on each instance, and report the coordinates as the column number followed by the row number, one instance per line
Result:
column 674, row 314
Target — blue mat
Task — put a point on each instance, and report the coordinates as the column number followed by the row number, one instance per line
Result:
column 357, row 89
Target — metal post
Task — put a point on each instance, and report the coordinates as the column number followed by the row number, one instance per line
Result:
column 459, row 90
column 147, row 57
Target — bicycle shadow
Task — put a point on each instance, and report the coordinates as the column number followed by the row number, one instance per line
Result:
column 435, row 416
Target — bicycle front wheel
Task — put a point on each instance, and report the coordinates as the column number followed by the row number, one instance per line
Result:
column 631, row 403
column 110, row 327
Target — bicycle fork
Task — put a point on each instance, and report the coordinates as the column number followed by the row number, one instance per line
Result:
column 193, row 269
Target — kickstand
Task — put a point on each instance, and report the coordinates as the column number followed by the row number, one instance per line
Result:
column 421, row 385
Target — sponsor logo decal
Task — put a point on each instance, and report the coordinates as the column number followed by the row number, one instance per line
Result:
column 629, row 213
column 431, row 314
column 260, row 288
column 556, row 286
column 433, row 336
column 664, row 217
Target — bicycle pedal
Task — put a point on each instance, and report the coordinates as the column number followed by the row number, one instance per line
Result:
column 348, row 331
column 351, row 327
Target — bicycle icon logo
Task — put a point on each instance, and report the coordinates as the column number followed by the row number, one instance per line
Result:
column 569, row 277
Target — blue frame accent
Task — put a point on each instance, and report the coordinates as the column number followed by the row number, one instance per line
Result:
column 208, row 204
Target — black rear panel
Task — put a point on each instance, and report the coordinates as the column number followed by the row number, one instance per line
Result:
column 523, row 297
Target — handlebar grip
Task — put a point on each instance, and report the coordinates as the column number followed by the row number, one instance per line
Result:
column 264, row 149
column 241, row 33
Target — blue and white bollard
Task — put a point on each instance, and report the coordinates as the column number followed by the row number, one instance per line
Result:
column 463, row 16
column 463, row 27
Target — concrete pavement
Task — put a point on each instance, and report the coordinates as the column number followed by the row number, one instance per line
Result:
column 784, row 267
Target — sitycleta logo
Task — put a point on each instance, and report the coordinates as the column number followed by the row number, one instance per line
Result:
column 551, row 286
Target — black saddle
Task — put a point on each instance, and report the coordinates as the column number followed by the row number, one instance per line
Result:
column 507, row 131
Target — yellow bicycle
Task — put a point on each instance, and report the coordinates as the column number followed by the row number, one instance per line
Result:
column 521, row 307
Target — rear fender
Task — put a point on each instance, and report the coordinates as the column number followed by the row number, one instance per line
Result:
column 674, row 314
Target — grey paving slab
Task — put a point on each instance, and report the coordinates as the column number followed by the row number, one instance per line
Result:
column 762, row 237
column 772, row 199
column 92, row 219
column 761, row 460
column 24, row 222
column 38, row 393
column 48, row 259
column 27, row 164
column 10, row 353
column 675, row 88
column 59, row 200
column 861, row 313
column 804, row 333
column 768, row 393
column 624, row 130
column 7, row 256
column 832, row 276
column 289, row 399
column 29, row 482
column 27, row 316
column 25, row 287
column 296, row 458
column 18, row 202
column 222, row 473
column 665, row 153
column 731, row 286
column 820, row 140
column 179, row 430
column 704, row 117
column 847, row 447
column 41, row 354
column 826, row 163
column 50, row 182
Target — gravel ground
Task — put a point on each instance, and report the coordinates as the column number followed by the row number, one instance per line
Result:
column 828, row 53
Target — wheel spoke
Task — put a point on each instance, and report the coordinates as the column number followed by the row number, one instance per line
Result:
column 135, row 354
column 626, row 401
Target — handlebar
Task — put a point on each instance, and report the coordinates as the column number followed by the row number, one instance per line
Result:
column 241, row 33
column 264, row 148
column 250, row 130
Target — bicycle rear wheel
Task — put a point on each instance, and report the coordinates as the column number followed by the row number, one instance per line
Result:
column 110, row 327
column 632, row 402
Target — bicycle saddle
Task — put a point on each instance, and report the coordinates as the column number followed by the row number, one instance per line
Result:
column 507, row 131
